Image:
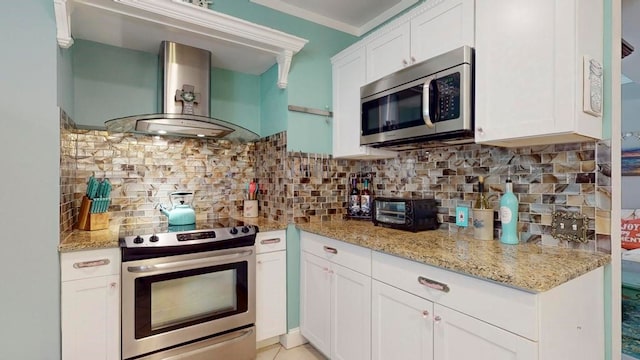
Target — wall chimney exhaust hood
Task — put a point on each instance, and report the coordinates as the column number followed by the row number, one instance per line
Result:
column 185, row 79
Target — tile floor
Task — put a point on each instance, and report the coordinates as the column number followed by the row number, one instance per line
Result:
column 277, row 352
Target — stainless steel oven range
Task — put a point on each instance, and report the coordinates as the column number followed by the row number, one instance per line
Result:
column 188, row 292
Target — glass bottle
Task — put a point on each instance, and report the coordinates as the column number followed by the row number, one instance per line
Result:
column 365, row 199
column 481, row 201
column 509, row 215
column 354, row 198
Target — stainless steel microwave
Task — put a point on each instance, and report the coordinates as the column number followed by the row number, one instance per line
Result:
column 428, row 101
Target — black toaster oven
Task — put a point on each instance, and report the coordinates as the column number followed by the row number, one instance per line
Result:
column 412, row 214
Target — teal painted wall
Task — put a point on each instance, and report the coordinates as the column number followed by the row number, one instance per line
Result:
column 273, row 104
column 30, row 144
column 65, row 80
column 235, row 97
column 309, row 78
column 112, row 82
column 293, row 277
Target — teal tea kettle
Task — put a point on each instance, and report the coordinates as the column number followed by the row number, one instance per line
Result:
column 181, row 212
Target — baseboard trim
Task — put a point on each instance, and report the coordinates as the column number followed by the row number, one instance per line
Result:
column 292, row 339
column 267, row 342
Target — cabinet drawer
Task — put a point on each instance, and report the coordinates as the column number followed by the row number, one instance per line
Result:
column 91, row 263
column 511, row 309
column 351, row 256
column 271, row 241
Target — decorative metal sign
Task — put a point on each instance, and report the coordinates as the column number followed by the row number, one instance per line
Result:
column 189, row 97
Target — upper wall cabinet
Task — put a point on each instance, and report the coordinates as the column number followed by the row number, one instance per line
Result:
column 538, row 71
column 236, row 44
column 348, row 77
column 431, row 29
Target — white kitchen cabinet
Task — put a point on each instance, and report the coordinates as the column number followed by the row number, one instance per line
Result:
column 90, row 304
column 271, row 284
column 389, row 51
column 481, row 340
column 530, row 71
column 442, row 28
column 406, row 326
column 335, row 297
column 348, row 76
column 431, row 29
column 401, row 324
column 491, row 320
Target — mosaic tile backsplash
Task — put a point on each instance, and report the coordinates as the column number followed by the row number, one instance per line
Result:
column 302, row 187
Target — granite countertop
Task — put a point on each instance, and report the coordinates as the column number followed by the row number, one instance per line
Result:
column 108, row 238
column 529, row 267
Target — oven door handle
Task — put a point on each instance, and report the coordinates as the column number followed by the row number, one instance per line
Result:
column 188, row 263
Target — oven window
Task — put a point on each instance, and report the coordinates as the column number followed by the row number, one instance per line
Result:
column 166, row 302
column 399, row 110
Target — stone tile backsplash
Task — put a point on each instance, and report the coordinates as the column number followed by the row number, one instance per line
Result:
column 306, row 187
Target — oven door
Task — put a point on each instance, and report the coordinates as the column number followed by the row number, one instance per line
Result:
column 177, row 299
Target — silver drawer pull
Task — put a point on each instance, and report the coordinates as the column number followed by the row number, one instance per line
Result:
column 270, row 241
column 433, row 284
column 92, row 263
column 330, row 250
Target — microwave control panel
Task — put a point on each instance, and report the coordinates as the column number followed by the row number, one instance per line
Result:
column 448, row 96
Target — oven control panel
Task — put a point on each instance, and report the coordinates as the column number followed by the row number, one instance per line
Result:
column 190, row 237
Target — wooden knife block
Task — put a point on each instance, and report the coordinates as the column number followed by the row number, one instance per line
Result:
column 89, row 221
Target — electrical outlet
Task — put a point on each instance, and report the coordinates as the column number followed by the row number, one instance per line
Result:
column 462, row 216
column 569, row 226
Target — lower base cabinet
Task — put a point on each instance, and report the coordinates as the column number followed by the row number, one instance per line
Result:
column 90, row 304
column 271, row 284
column 356, row 304
column 406, row 326
column 335, row 306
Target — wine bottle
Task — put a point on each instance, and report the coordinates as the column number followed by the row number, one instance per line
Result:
column 365, row 199
column 354, row 198
column 481, row 201
column 509, row 215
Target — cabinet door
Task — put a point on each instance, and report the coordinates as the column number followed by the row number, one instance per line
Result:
column 402, row 325
column 91, row 318
column 350, row 314
column 458, row 336
column 445, row 27
column 349, row 74
column 271, row 295
column 388, row 52
column 529, row 70
column 315, row 301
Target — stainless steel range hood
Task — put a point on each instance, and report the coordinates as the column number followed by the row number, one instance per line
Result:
column 185, row 78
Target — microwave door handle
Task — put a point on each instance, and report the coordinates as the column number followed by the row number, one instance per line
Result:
column 426, row 105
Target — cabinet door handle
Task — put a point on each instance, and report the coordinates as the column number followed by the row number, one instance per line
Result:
column 433, row 284
column 330, row 250
column 270, row 241
column 413, row 59
column 425, row 314
column 437, row 319
column 91, row 263
column 404, row 62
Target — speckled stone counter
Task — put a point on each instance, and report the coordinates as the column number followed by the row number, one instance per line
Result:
column 529, row 267
column 99, row 239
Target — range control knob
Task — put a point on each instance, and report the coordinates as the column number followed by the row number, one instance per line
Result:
column 245, row 229
column 154, row 238
column 138, row 240
column 233, row 231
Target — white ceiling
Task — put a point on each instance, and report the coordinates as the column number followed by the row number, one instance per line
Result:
column 355, row 17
